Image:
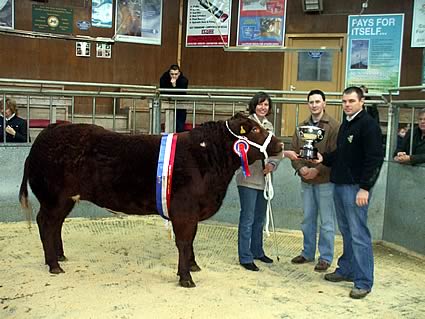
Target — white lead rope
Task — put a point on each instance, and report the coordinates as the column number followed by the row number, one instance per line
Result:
column 268, row 195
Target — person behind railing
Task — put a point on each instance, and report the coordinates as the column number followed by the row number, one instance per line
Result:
column 173, row 78
column 316, row 189
column 16, row 127
column 400, row 136
column 403, row 155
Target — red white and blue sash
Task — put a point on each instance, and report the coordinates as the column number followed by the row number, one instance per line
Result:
column 164, row 173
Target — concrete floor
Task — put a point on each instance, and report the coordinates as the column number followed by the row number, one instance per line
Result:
column 125, row 268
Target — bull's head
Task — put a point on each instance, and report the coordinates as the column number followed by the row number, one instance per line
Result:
column 262, row 143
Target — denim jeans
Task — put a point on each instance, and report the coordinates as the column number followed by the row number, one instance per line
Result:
column 318, row 200
column 251, row 223
column 356, row 261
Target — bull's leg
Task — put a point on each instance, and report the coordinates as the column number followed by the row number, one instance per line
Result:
column 193, row 265
column 47, row 228
column 185, row 231
column 50, row 223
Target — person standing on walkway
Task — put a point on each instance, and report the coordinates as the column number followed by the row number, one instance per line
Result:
column 173, row 78
column 316, row 189
column 251, row 192
column 355, row 167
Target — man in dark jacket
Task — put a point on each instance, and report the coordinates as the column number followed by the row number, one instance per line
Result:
column 174, row 79
column 417, row 156
column 355, row 167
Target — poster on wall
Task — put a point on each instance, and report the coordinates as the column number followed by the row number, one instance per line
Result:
column 138, row 21
column 374, row 51
column 418, row 24
column 208, row 23
column 7, row 14
column 52, row 19
column 82, row 48
column 101, row 13
column 103, row 50
column 261, row 23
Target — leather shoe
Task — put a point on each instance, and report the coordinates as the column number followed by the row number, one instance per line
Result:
column 265, row 259
column 335, row 277
column 250, row 266
column 321, row 266
column 358, row 293
column 300, row 260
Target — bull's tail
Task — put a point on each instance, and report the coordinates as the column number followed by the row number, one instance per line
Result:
column 23, row 195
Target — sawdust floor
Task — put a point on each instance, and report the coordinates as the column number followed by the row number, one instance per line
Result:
column 126, row 268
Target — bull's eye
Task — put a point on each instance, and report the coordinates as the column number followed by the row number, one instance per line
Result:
column 256, row 129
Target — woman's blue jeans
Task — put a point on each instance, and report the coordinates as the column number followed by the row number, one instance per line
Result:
column 251, row 223
column 318, row 201
column 356, row 261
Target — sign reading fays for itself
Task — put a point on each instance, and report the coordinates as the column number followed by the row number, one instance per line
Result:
column 363, row 25
column 52, row 19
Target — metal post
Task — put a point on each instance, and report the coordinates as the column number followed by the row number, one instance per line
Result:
column 156, row 116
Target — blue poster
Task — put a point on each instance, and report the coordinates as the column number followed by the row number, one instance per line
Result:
column 101, row 13
column 374, row 51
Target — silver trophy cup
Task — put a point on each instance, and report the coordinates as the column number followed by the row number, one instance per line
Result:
column 310, row 135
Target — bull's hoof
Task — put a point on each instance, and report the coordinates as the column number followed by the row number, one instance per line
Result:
column 195, row 268
column 187, row 283
column 62, row 258
column 56, row 270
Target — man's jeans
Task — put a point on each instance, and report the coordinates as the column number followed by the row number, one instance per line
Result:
column 356, row 261
column 318, row 200
column 251, row 222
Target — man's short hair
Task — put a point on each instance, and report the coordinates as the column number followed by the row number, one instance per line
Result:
column 421, row 111
column 354, row 89
column 316, row 91
column 174, row 67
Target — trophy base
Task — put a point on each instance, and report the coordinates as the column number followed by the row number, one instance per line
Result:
column 308, row 153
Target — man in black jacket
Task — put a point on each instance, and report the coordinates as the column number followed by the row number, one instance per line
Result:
column 174, row 79
column 355, row 167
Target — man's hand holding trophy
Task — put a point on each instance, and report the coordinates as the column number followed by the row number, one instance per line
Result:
column 310, row 135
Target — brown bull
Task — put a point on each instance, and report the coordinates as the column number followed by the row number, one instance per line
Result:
column 118, row 172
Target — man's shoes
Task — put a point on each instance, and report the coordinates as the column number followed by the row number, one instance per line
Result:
column 300, row 260
column 250, row 266
column 335, row 277
column 321, row 266
column 358, row 293
column 265, row 259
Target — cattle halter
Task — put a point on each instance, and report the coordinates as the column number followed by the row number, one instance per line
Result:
column 262, row 148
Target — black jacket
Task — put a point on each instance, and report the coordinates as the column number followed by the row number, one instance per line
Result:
column 165, row 83
column 20, row 127
column 359, row 154
column 418, row 146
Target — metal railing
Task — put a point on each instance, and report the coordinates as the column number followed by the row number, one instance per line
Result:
column 144, row 108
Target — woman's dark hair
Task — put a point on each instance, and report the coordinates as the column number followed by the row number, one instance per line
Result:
column 258, row 98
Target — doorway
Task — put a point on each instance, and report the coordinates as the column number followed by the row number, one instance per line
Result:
column 315, row 69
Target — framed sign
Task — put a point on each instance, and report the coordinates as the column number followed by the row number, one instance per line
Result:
column 138, row 21
column 7, row 14
column 418, row 24
column 374, row 51
column 208, row 23
column 82, row 48
column 101, row 13
column 261, row 23
column 52, row 19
